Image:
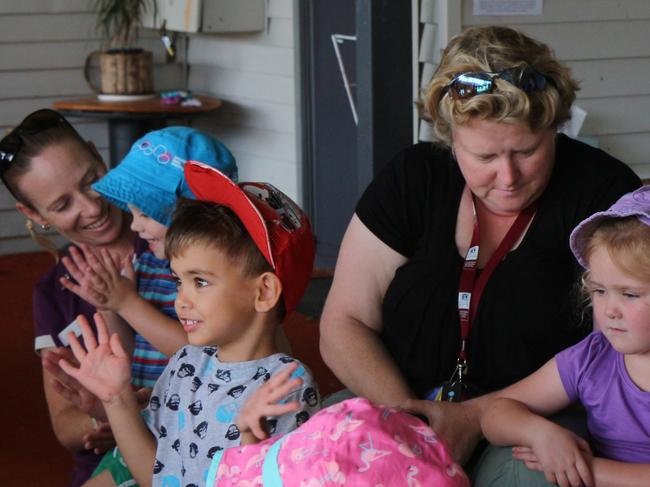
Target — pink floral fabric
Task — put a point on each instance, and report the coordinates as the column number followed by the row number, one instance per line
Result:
column 352, row 443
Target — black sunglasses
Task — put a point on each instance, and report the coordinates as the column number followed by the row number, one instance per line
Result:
column 33, row 124
column 467, row 85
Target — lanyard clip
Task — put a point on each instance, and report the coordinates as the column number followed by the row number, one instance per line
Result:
column 459, row 371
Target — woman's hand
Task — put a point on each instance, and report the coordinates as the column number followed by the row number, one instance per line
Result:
column 68, row 387
column 457, row 423
column 101, row 279
column 100, row 439
column 266, row 401
column 104, row 367
column 564, row 457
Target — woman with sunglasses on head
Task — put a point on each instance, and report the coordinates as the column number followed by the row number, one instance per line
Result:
column 48, row 168
column 455, row 278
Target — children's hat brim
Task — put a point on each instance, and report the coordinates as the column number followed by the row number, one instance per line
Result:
column 634, row 204
column 122, row 187
column 278, row 227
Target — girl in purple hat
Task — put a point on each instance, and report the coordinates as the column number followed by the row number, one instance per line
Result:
column 608, row 372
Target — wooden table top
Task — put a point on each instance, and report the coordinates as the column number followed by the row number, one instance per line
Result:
column 149, row 105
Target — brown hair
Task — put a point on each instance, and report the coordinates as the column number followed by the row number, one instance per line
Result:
column 216, row 226
column 32, row 146
column 493, row 49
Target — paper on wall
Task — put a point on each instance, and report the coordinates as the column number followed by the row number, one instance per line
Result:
column 572, row 127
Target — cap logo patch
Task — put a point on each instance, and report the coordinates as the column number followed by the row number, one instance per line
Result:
column 288, row 213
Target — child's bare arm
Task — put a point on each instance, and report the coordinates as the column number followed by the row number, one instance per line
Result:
column 266, row 402
column 563, row 456
column 105, row 370
column 512, row 418
column 542, row 391
column 110, row 285
column 606, row 473
column 163, row 332
column 609, row 473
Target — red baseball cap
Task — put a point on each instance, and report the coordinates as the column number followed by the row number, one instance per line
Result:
column 277, row 225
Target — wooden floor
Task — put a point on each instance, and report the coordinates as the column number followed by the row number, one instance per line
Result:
column 29, row 453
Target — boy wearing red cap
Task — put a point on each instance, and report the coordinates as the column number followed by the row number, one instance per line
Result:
column 242, row 256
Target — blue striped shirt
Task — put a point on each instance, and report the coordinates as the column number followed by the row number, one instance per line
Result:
column 156, row 285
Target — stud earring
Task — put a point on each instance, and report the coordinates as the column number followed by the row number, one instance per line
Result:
column 45, row 226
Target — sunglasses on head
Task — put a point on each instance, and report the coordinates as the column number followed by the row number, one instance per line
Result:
column 33, row 124
column 467, row 85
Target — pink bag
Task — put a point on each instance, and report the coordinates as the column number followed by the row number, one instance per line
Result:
column 351, row 443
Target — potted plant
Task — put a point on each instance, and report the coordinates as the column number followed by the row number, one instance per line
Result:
column 125, row 69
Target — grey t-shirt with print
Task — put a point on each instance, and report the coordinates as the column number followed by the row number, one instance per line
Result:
column 194, row 404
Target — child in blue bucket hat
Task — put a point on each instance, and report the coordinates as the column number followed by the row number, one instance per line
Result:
column 146, row 183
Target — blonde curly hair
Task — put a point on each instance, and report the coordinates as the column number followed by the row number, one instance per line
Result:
column 627, row 241
column 493, row 49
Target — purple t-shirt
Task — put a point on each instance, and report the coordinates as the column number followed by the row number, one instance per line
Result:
column 618, row 412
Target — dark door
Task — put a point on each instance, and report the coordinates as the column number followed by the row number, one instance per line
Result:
column 356, row 105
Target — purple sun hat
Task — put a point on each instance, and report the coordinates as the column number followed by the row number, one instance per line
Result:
column 636, row 203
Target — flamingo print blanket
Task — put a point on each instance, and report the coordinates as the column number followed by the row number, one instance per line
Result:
column 351, row 443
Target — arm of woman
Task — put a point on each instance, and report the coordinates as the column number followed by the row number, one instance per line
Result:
column 351, row 319
column 74, row 428
column 460, row 423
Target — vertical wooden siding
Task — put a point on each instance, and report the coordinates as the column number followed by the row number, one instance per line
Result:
column 43, row 45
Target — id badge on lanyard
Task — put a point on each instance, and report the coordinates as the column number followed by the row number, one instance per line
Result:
column 470, row 289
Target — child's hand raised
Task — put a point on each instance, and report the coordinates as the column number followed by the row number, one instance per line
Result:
column 104, row 367
column 101, row 279
column 251, row 420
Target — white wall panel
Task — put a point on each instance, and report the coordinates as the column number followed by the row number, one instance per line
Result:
column 280, row 9
column 616, row 115
column 232, row 54
column 231, row 83
column 567, row 11
column 612, row 77
column 265, row 144
column 254, row 74
column 252, row 114
column 44, row 6
column 594, row 40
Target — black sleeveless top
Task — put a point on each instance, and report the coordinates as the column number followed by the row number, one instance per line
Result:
column 529, row 308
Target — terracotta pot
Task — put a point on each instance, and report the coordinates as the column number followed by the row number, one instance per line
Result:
column 123, row 71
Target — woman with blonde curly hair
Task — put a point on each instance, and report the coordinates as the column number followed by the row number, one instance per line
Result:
column 454, row 277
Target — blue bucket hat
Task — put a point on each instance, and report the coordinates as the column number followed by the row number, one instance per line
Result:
column 150, row 177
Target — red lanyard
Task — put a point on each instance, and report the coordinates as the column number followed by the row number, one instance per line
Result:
column 471, row 288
